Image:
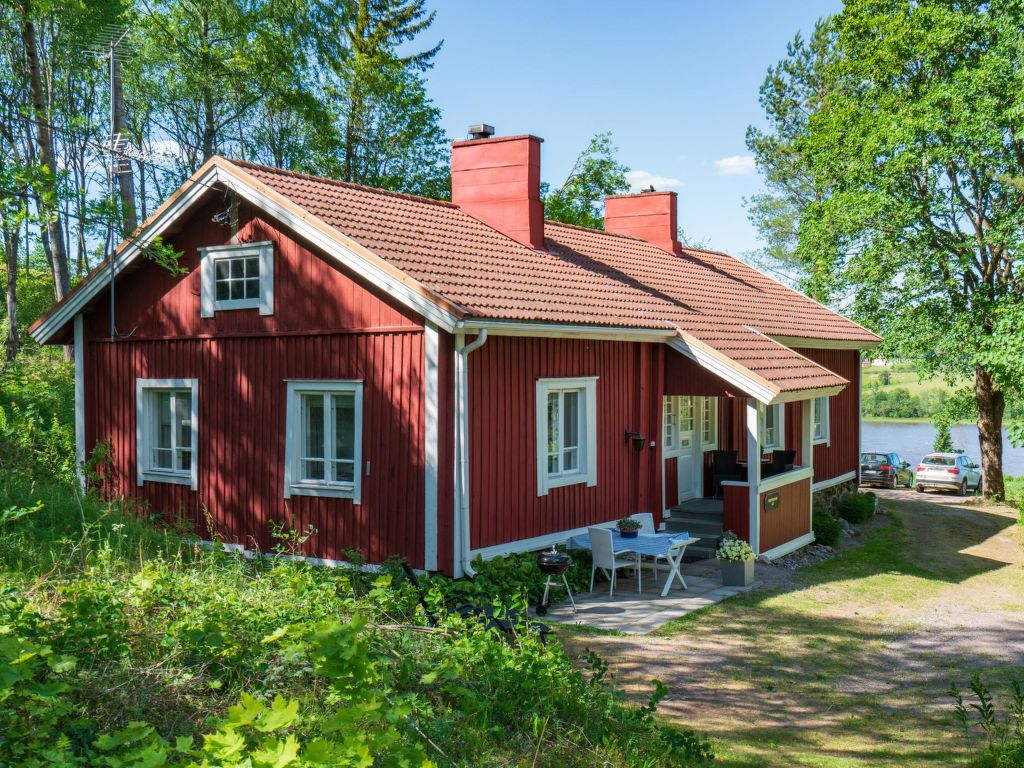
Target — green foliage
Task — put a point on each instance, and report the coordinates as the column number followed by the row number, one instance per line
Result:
column 900, row 403
column 628, row 524
column 595, row 175
column 1002, row 740
column 826, row 528
column 857, row 507
column 514, row 580
column 893, row 144
column 36, row 417
column 943, row 442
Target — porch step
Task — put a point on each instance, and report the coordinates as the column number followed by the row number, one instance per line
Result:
column 696, row 526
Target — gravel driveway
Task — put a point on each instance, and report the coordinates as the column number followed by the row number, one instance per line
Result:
column 849, row 665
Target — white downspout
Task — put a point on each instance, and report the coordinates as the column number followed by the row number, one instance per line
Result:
column 462, row 351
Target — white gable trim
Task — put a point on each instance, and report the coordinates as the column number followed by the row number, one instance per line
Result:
column 303, row 224
column 726, row 369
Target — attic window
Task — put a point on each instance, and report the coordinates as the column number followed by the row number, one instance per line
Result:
column 237, row 277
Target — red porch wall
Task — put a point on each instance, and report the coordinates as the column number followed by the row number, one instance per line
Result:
column 504, row 504
column 842, row 454
column 684, row 377
column 326, row 325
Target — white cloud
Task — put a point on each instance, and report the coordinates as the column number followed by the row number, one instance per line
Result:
column 642, row 179
column 736, row 165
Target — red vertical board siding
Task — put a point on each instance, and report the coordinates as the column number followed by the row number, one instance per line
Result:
column 504, row 505
column 842, row 453
column 736, row 510
column 671, row 482
column 446, row 453
column 242, row 386
column 326, row 325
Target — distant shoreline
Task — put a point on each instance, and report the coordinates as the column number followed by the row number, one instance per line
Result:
column 892, row 419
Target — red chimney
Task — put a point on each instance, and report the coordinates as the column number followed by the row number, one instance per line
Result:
column 497, row 180
column 651, row 216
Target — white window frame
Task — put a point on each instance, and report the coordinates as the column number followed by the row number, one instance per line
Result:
column 822, row 406
column 145, row 472
column 208, row 257
column 293, row 484
column 587, row 464
column 780, row 428
column 705, row 420
column 670, row 426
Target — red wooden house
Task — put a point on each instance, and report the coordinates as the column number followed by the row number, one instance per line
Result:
column 439, row 379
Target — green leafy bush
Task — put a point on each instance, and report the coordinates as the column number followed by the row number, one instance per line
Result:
column 857, row 507
column 826, row 528
column 514, row 580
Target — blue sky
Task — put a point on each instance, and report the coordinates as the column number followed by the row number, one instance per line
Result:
column 676, row 83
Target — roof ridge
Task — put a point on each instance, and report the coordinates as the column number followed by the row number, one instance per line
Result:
column 592, row 230
column 344, row 184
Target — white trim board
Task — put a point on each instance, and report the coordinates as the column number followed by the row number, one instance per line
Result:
column 305, row 225
column 785, row 478
column 790, row 546
column 822, row 485
column 431, row 432
column 80, row 400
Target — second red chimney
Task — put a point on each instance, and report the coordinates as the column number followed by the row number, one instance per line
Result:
column 497, row 180
column 651, row 216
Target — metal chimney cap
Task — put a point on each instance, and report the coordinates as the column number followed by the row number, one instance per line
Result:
column 481, row 131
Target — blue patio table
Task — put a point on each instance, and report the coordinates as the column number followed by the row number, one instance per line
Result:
column 671, row 546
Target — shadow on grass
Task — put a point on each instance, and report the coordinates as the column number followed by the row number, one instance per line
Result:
column 797, row 676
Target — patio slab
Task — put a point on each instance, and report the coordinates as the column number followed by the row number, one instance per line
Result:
column 637, row 613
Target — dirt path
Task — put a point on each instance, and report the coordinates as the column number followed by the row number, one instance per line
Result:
column 850, row 665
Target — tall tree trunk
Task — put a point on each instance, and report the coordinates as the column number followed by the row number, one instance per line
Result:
column 125, row 177
column 44, row 142
column 11, row 252
column 991, row 405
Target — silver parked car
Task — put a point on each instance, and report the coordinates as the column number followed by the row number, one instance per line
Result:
column 953, row 471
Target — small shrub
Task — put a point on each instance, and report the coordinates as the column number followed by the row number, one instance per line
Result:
column 857, row 507
column 514, row 579
column 826, row 528
column 1001, row 740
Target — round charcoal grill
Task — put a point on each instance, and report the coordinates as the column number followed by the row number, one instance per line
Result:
column 553, row 564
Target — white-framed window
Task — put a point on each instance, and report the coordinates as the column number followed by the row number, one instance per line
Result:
column 566, row 432
column 820, row 420
column 236, row 277
column 669, row 425
column 324, row 439
column 773, row 427
column 709, row 423
column 167, row 431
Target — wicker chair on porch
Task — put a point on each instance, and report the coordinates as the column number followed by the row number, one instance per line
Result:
column 724, row 467
column 782, row 461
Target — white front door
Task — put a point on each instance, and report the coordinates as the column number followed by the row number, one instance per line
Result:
column 687, row 449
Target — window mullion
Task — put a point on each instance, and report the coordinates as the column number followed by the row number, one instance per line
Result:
column 329, row 442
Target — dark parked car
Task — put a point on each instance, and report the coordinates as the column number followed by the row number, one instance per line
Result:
column 888, row 469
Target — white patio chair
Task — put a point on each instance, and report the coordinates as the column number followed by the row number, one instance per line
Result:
column 604, row 558
column 646, row 520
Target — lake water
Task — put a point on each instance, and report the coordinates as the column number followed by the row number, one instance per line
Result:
column 913, row 441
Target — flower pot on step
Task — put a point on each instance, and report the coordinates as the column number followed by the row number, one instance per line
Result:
column 737, row 573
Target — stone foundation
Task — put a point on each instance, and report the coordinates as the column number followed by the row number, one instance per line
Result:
column 828, row 498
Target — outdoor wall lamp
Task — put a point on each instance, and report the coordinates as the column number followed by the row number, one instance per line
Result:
column 637, row 439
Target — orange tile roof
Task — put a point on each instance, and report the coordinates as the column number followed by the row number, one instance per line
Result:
column 585, row 277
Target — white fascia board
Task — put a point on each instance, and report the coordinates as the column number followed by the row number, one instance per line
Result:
column 745, row 380
column 808, row 394
column 302, row 225
column 342, row 253
column 195, row 187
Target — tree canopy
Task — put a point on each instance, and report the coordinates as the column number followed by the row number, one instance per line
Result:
column 893, row 155
column 595, row 175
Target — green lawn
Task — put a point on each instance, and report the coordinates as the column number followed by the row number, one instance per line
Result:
column 850, row 666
